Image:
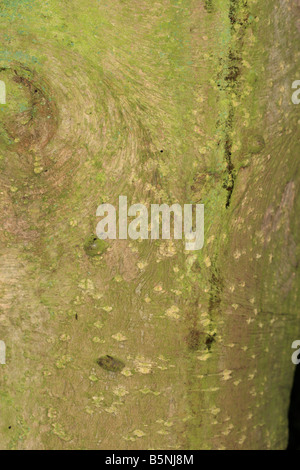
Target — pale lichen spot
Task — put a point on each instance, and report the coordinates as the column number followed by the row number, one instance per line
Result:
column 211, row 239
column 215, row 411
column 139, row 433
column 60, row 432
column 167, row 249
column 176, row 292
column 97, row 400
column 52, row 413
column 211, row 389
column 111, row 409
column 228, row 430
column 142, row 365
column 158, row 288
column 93, row 378
column 205, row 322
column 163, row 432
column 204, row 357
column 142, row 265
column 126, row 372
column 120, row 391
column 172, row 312
column 98, row 340
column 226, row 375
column 107, row 308
column 86, row 284
column 119, row 337
column 89, row 410
column 65, row 338
column 168, row 424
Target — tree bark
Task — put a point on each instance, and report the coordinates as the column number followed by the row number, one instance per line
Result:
column 173, row 102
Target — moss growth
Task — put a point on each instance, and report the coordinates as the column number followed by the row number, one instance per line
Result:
column 255, row 144
column 94, row 246
column 110, row 364
column 116, row 82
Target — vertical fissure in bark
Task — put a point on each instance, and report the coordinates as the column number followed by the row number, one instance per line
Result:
column 229, row 82
column 214, row 303
column 209, row 6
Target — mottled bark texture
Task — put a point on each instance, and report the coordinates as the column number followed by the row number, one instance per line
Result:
column 141, row 345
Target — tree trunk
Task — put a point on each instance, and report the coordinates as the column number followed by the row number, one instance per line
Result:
column 147, row 345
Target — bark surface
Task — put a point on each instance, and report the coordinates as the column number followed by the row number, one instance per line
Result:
column 147, row 346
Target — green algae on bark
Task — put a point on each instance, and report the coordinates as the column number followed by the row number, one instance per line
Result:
column 94, row 246
column 110, row 364
column 206, row 339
